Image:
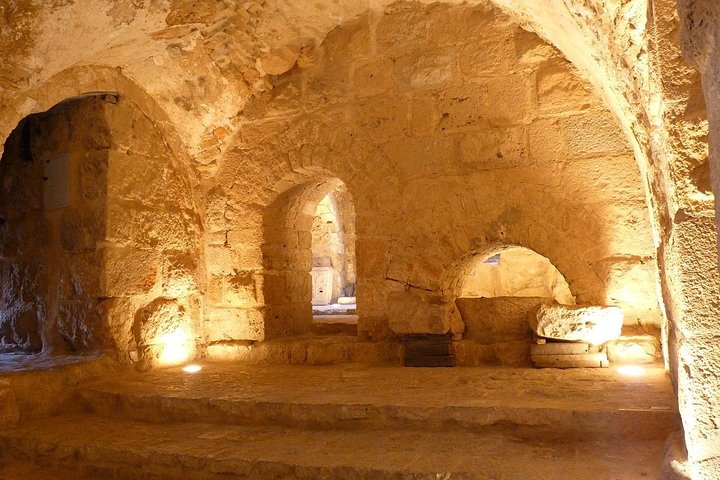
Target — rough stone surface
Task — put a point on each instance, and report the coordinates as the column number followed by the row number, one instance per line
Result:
column 634, row 349
column 498, row 319
column 572, row 128
column 409, row 312
column 301, row 426
column 588, row 324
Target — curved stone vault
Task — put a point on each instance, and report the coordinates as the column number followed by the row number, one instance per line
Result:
column 574, row 128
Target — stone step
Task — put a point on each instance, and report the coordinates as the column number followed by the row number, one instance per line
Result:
column 335, row 324
column 93, row 447
column 575, row 404
column 327, row 348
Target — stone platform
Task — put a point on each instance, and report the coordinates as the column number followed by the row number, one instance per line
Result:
column 351, row 421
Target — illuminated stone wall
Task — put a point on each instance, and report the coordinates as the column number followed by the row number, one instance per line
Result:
column 265, row 104
column 517, row 272
column 448, row 143
column 87, row 276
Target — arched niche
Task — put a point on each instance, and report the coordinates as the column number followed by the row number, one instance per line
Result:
column 493, row 300
column 513, row 272
column 101, row 232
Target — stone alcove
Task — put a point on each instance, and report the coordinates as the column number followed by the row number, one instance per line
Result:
column 298, row 242
column 492, row 294
column 54, row 182
column 99, row 227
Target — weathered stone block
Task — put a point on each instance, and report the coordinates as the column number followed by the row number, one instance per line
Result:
column 590, row 324
column 373, row 78
column 606, row 136
column 179, row 275
column 411, row 313
column 427, row 70
column 221, row 260
column 511, row 100
column 401, row 25
column 462, row 107
column 226, row 324
column 492, row 56
column 560, row 90
column 498, row 319
column 129, row 271
column 385, row 118
column 80, row 231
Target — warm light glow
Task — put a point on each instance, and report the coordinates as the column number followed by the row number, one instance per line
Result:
column 192, row 368
column 176, row 347
column 631, row 370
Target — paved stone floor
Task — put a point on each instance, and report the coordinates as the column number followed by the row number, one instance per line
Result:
column 353, row 422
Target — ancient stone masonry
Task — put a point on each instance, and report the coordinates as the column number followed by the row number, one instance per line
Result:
column 75, row 273
column 175, row 173
column 51, row 266
column 446, row 151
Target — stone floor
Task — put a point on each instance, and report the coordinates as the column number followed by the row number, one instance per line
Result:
column 352, row 421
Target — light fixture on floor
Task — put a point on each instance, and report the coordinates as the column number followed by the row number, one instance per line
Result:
column 631, row 370
column 192, row 368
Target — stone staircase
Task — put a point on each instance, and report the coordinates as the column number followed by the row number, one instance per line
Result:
column 352, row 422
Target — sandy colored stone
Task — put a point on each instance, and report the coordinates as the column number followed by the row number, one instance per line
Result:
column 498, row 319
column 577, row 130
column 411, row 313
column 588, row 324
column 634, row 349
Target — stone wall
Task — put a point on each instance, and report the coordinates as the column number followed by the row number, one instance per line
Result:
column 152, row 259
column 51, row 273
column 449, row 140
column 76, row 277
column 697, row 337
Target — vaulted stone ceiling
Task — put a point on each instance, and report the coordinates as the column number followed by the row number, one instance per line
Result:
column 194, row 66
column 202, row 60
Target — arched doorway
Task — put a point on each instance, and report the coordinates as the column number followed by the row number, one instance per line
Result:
column 53, row 182
column 333, row 267
column 309, row 259
column 99, row 237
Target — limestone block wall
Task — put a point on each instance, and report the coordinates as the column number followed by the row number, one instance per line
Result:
column 152, row 259
column 697, row 334
column 50, row 263
column 450, row 141
column 90, row 274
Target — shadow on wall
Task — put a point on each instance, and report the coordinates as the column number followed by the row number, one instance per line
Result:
column 100, row 240
column 288, row 257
